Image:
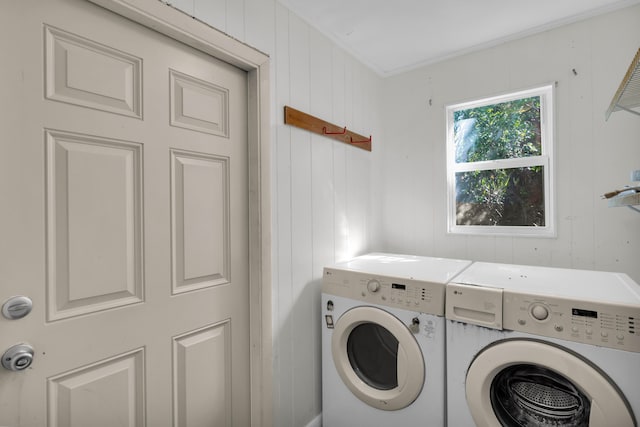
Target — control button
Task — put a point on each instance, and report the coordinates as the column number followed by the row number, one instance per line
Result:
column 559, row 328
column 415, row 325
column 522, row 322
column 589, row 331
column 620, row 337
column 329, row 320
column 604, row 334
column 373, row 286
column 574, row 329
column 539, row 312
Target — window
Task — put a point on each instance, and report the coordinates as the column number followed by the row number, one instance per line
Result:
column 500, row 165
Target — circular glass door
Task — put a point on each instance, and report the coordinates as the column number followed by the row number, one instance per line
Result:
column 373, row 355
column 531, row 395
column 529, row 383
column 378, row 358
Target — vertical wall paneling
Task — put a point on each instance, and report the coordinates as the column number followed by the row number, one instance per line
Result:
column 531, row 70
column 423, row 214
column 504, row 249
column 322, row 204
column 302, row 217
column 592, row 156
column 236, row 18
column 349, row 83
column 322, row 156
column 400, row 157
column 301, row 269
column 213, row 12
column 188, row 7
column 573, row 229
column 260, row 28
column 283, row 338
column 616, row 147
column 341, row 224
column 341, row 227
column 338, row 88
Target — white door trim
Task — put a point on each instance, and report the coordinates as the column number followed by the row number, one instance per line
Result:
column 173, row 23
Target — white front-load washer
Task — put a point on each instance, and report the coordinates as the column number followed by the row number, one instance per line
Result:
column 383, row 338
column 536, row 346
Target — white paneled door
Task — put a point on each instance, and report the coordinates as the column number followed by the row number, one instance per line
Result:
column 124, row 219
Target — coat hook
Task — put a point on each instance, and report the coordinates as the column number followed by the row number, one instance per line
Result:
column 360, row 142
column 324, row 131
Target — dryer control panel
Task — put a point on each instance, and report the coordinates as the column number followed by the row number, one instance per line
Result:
column 408, row 294
column 591, row 322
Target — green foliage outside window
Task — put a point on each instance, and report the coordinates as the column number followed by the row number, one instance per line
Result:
column 500, row 131
column 499, row 196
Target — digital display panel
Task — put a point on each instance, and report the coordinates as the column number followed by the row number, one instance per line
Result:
column 584, row 313
column 398, row 286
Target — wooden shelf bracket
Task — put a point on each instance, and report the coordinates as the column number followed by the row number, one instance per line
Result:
column 313, row 124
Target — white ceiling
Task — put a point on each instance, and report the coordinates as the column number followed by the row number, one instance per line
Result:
column 392, row 36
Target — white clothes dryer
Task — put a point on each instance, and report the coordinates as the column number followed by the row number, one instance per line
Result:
column 383, row 338
column 537, row 346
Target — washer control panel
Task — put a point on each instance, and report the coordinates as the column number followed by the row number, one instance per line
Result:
column 408, row 294
column 603, row 324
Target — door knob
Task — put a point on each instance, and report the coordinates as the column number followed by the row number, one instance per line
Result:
column 18, row 357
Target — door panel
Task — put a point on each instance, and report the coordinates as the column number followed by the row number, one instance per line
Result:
column 200, row 204
column 92, row 181
column 199, row 105
column 78, row 398
column 123, row 177
column 83, row 72
column 202, row 365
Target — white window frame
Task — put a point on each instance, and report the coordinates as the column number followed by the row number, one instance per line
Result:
column 547, row 96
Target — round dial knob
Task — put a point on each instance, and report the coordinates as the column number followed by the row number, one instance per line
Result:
column 539, row 312
column 18, row 357
column 373, row 286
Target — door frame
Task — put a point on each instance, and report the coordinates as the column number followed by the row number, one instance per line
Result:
column 163, row 18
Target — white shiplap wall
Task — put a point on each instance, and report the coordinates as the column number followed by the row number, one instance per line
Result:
column 593, row 156
column 321, row 191
column 331, row 201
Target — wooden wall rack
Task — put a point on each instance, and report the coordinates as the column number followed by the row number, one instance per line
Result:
column 308, row 122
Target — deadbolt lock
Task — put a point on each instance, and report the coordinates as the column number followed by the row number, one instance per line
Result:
column 17, row 307
column 18, row 357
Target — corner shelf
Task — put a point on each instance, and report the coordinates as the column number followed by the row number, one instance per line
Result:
column 625, row 200
column 627, row 96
